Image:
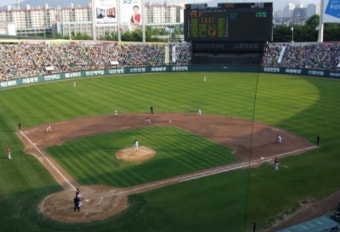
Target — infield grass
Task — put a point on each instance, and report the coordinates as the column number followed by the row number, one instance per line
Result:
column 230, row 201
column 178, row 152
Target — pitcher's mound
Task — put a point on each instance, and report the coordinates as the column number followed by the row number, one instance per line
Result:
column 129, row 154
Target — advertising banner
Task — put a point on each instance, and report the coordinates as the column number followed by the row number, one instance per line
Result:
column 331, row 12
column 105, row 12
column 131, row 13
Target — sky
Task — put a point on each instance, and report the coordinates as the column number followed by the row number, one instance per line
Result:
column 278, row 4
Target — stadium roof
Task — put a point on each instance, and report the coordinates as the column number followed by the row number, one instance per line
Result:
column 319, row 224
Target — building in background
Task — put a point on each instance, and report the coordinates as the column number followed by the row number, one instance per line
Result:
column 7, row 28
column 295, row 14
column 35, row 21
column 78, row 19
column 312, row 9
column 164, row 13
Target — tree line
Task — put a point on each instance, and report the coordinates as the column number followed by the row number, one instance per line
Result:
column 281, row 33
column 308, row 32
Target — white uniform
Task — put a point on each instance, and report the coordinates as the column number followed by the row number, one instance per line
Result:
column 279, row 139
column 135, row 145
column 9, row 153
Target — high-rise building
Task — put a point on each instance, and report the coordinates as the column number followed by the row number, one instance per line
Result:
column 163, row 13
column 74, row 19
column 7, row 28
column 312, row 10
column 30, row 21
column 288, row 10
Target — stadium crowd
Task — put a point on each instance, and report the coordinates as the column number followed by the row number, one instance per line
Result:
column 319, row 56
column 28, row 59
column 38, row 58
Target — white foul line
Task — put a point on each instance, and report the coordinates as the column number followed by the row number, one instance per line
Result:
column 177, row 179
column 204, row 173
column 45, row 157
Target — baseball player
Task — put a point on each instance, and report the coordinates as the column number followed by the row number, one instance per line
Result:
column 278, row 139
column 77, row 192
column 9, row 153
column 147, row 120
column 276, row 164
column 135, row 145
column 76, row 204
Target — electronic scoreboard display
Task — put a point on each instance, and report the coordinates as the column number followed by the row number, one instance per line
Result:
column 228, row 22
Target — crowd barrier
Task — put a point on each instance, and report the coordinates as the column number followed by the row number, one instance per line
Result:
column 167, row 68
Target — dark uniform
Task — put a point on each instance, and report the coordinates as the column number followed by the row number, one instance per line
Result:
column 76, row 204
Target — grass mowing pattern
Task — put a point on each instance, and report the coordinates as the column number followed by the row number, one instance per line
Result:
column 306, row 106
column 92, row 160
column 208, row 204
column 183, row 92
column 283, row 97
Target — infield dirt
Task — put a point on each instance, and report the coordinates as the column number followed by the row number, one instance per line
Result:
column 249, row 140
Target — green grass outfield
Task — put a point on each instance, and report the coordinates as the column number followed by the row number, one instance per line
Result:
column 231, row 201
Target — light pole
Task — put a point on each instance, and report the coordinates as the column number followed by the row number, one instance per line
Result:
column 167, row 29
column 292, row 29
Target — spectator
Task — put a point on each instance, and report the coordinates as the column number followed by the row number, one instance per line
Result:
column 77, row 56
column 318, row 56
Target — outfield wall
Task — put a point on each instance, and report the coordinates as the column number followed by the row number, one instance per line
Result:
column 168, row 68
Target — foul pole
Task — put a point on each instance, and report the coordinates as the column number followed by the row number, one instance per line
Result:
column 321, row 24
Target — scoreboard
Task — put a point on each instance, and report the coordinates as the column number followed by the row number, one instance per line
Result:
column 228, row 22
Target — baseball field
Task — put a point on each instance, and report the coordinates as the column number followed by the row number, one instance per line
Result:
column 209, row 172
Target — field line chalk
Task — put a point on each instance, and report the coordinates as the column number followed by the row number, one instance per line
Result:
column 44, row 156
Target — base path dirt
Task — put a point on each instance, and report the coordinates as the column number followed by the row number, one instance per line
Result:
column 252, row 143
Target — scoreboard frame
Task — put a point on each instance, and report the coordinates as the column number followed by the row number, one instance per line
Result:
column 249, row 22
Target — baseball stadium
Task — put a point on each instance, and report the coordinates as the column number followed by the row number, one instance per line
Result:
column 207, row 124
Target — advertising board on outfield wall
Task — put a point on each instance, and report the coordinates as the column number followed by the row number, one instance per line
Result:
column 165, row 68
